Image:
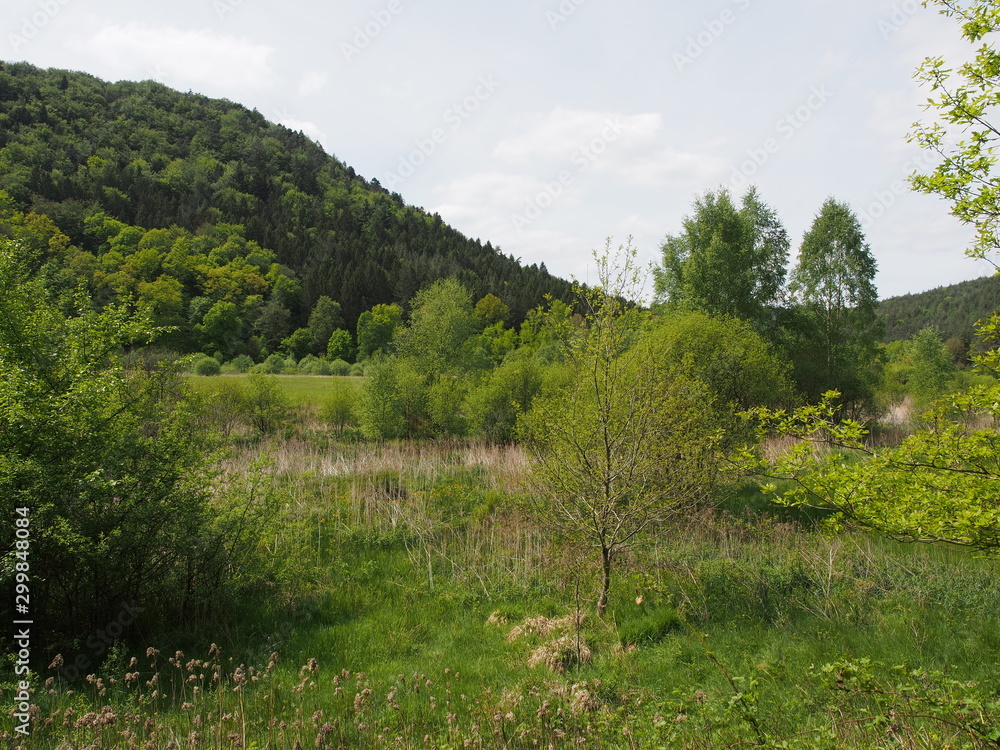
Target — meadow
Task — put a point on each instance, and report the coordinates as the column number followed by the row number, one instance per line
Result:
column 424, row 604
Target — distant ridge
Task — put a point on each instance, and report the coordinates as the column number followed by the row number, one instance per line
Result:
column 72, row 146
column 953, row 310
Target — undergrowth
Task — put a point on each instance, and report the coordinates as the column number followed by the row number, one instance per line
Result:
column 421, row 604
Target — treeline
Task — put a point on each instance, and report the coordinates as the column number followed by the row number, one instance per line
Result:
column 953, row 310
column 236, row 196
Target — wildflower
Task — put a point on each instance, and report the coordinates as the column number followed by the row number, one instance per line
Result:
column 57, row 662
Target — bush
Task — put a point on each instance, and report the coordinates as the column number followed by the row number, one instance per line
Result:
column 273, row 365
column 242, row 363
column 307, row 365
column 266, row 404
column 340, row 367
column 340, row 410
column 357, row 370
column 207, row 366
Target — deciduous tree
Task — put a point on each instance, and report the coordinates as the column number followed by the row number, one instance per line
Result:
column 626, row 443
column 833, row 285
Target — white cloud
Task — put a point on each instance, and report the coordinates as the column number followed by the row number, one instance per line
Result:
column 186, row 59
column 564, row 132
column 311, row 129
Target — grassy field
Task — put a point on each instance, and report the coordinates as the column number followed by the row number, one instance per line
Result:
column 427, row 606
column 301, row 390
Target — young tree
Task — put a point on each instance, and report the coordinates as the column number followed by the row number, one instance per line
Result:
column 626, row 443
column 442, row 322
column 728, row 260
column 326, row 317
column 834, row 288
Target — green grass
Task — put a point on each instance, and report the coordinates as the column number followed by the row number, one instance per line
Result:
column 301, row 390
column 423, row 567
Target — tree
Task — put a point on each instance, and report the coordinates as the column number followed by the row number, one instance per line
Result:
column 941, row 483
column 220, row 328
column 101, row 451
column 340, row 345
column 326, row 317
column 274, row 324
column 625, row 443
column 376, row 327
column 838, row 329
column 932, row 364
column 727, row 260
column 962, row 99
column 737, row 366
column 441, row 323
column 492, row 310
column 298, row 344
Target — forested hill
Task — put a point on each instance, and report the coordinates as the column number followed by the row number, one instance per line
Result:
column 74, row 147
column 953, row 310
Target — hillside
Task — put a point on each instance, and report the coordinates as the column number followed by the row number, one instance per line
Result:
column 953, row 310
column 94, row 156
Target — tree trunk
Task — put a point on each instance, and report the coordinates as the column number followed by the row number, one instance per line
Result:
column 602, row 602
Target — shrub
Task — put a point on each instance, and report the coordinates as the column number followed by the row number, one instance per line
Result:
column 273, row 365
column 241, row 363
column 357, row 370
column 340, row 367
column 207, row 366
column 340, row 409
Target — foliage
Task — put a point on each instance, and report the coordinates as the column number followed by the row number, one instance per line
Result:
column 728, row 260
column 496, row 403
column 103, row 452
column 382, row 414
column 105, row 162
column 962, row 100
column 628, row 443
column 954, row 310
column 340, row 345
column 376, row 328
column 442, row 322
column 835, row 344
column 207, row 366
column 265, row 403
column 737, row 366
column 340, row 410
column 939, row 485
column 932, row 369
column 325, row 318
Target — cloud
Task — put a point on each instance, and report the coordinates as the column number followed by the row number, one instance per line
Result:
column 199, row 60
column 563, row 132
column 311, row 129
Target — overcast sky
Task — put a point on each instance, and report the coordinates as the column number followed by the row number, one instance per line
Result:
column 545, row 126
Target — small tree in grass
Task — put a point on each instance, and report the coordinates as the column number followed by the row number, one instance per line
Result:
column 626, row 444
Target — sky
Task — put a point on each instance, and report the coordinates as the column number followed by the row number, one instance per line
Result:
column 548, row 126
